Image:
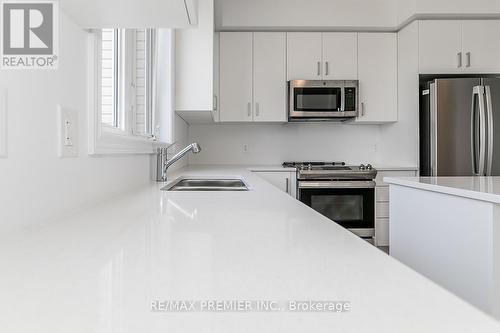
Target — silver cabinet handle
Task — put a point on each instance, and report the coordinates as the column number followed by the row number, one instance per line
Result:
column 362, row 109
column 287, row 185
column 326, row 68
column 459, row 59
column 257, row 109
column 319, row 68
column 249, row 109
column 215, row 103
column 467, row 59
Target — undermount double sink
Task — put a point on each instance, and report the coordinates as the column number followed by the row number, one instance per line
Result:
column 206, row 184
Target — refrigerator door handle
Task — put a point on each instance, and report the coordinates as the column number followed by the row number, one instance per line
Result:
column 433, row 128
column 478, row 163
column 489, row 117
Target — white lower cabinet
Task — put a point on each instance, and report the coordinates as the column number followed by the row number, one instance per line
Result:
column 382, row 225
column 284, row 180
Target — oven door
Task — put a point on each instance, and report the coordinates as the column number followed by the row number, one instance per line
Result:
column 350, row 204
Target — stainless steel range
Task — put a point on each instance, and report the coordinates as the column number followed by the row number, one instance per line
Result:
column 343, row 193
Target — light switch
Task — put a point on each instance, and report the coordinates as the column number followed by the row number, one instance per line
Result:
column 67, row 129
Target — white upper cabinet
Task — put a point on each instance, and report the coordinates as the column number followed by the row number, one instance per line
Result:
column 378, row 77
column 340, row 56
column 235, row 77
column 252, row 77
column 440, row 46
column 269, row 77
column 459, row 46
column 322, row 56
column 304, row 56
column 194, row 63
column 481, row 46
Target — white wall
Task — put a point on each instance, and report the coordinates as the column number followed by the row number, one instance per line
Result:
column 35, row 184
column 405, row 9
column 459, row 8
column 340, row 14
column 283, row 14
column 274, row 144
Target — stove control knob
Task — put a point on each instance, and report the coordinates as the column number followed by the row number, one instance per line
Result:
column 362, row 167
column 369, row 167
column 309, row 167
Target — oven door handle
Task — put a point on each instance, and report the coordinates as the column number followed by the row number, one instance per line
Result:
column 337, row 184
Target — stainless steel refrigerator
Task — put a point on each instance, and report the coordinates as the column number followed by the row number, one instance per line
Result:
column 460, row 127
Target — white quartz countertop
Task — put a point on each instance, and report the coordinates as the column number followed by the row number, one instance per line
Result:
column 479, row 188
column 100, row 269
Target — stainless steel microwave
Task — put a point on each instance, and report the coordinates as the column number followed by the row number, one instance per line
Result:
column 322, row 100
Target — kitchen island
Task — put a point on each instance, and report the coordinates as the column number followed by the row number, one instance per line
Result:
column 448, row 229
column 113, row 268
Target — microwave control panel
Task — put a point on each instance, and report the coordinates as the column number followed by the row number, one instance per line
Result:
column 350, row 99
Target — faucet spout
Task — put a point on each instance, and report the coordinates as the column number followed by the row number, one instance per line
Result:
column 164, row 164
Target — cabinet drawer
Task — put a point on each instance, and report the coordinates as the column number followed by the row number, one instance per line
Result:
column 382, row 209
column 382, row 232
column 381, row 174
column 382, row 194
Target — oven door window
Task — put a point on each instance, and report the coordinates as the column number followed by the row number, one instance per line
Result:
column 317, row 99
column 351, row 208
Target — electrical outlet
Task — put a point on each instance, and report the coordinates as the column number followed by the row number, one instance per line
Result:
column 244, row 148
column 67, row 130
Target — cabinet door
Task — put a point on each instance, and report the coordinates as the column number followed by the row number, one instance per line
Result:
column 304, row 56
column 440, row 47
column 280, row 179
column 340, row 56
column 377, row 72
column 269, row 78
column 235, row 76
column 481, row 46
column 194, row 71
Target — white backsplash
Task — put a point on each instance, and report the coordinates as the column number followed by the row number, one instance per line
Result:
column 389, row 144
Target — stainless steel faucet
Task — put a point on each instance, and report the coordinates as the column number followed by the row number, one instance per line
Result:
column 162, row 163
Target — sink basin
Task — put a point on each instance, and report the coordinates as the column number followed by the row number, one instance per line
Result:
column 194, row 184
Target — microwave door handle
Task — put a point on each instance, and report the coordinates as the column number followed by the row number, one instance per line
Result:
column 342, row 99
column 489, row 118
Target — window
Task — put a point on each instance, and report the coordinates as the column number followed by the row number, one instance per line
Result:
column 125, row 66
column 109, row 76
column 145, row 69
